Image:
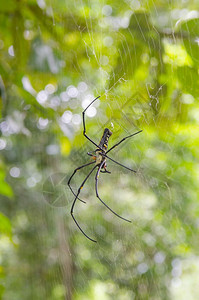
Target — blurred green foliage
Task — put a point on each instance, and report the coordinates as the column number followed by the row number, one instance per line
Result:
column 142, row 58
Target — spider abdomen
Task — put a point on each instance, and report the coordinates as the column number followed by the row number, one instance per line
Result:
column 103, row 144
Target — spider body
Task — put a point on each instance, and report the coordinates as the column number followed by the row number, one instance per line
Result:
column 100, row 152
column 99, row 157
column 103, row 144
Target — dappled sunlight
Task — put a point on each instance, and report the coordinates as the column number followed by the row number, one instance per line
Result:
column 140, row 59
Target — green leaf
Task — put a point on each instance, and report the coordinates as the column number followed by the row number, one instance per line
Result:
column 5, row 225
column 5, row 188
column 191, row 29
column 189, row 79
column 8, row 5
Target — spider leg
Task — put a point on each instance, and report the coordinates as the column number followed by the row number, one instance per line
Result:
column 74, row 174
column 105, row 171
column 96, row 190
column 72, row 207
column 84, row 124
column 127, row 137
column 89, row 153
column 118, row 163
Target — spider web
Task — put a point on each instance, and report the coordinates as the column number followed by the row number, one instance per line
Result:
column 132, row 195
column 131, row 50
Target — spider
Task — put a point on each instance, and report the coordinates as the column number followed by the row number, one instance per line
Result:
column 99, row 157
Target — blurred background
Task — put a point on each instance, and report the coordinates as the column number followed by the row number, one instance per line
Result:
column 142, row 58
